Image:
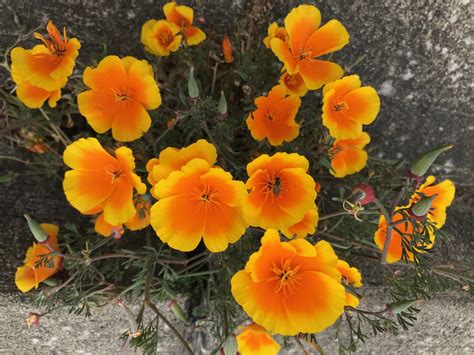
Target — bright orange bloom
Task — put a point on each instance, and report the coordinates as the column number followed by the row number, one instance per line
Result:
column 199, row 202
column 352, row 300
column 290, row 287
column 348, row 155
column 347, row 106
column 139, row 221
column 160, row 37
column 275, row 31
column 227, row 50
column 182, row 16
column 30, row 275
column 307, row 42
column 274, row 117
column 350, row 275
column 41, row 72
column 255, row 340
column 173, row 159
column 445, row 192
column 101, row 182
column 281, row 191
column 294, row 84
column 121, row 90
column 304, row 227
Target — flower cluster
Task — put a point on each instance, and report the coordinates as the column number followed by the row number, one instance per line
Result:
column 161, row 37
column 41, row 72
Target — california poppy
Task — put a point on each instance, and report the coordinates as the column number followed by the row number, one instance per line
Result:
column 294, row 84
column 41, row 72
column 306, row 226
column 182, row 16
column 227, row 50
column 255, row 340
column 348, row 155
column 281, row 191
column 173, row 159
column 274, row 118
column 275, row 31
column 121, row 92
column 350, row 274
column 290, row 287
column 37, row 266
column 160, row 37
column 199, row 202
column 307, row 42
column 100, row 182
column 444, row 192
column 347, row 106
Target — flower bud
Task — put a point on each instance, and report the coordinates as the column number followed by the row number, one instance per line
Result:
column 227, row 50
column 177, row 310
column 230, row 346
column 193, row 88
column 422, row 206
column 222, row 105
column 33, row 319
column 134, row 330
column 38, row 232
column 424, row 162
column 395, row 308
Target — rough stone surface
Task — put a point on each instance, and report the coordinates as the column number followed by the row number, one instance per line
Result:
column 418, row 54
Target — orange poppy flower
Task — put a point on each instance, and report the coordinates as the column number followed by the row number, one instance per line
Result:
column 274, row 117
column 173, row 159
column 294, row 84
column 290, row 287
column 275, row 31
column 348, row 155
column 347, row 106
column 140, row 220
column 350, row 275
column 227, row 50
column 255, row 340
column 182, row 16
column 160, row 37
column 281, row 191
column 41, row 72
column 199, row 202
column 445, row 192
column 307, row 42
column 30, row 275
column 100, row 181
column 304, row 227
column 121, row 90
column 352, row 300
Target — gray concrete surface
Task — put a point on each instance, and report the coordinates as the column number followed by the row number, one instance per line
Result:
column 418, row 54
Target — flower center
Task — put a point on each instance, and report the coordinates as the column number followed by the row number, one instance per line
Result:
column 291, row 80
column 165, row 37
column 114, row 171
column 303, row 56
column 286, row 276
column 121, row 94
column 206, row 196
column 274, row 186
column 340, row 106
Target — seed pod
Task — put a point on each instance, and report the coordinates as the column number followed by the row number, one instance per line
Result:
column 424, row 162
column 177, row 311
column 230, row 346
column 38, row 232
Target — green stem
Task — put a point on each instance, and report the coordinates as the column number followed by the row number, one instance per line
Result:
column 61, row 135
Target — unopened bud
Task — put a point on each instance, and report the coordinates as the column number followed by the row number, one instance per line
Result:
column 33, row 319
column 222, row 105
column 424, row 162
column 230, row 346
column 395, row 308
column 134, row 331
column 193, row 88
column 177, row 311
column 38, row 232
column 422, row 206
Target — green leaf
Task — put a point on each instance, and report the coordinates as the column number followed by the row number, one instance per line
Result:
column 193, row 88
